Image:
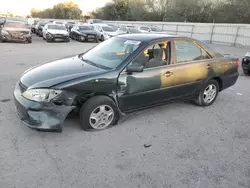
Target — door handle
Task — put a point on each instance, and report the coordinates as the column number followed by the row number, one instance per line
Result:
column 208, row 66
column 168, row 73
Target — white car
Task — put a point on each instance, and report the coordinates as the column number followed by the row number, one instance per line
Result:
column 53, row 32
column 58, row 22
column 105, row 32
column 95, row 21
column 150, row 29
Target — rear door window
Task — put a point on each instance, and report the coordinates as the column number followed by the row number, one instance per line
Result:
column 187, row 51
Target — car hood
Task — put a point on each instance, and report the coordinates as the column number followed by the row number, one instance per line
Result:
column 11, row 29
column 52, row 73
column 55, row 31
column 88, row 32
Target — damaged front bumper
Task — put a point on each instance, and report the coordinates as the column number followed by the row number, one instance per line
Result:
column 40, row 116
column 18, row 38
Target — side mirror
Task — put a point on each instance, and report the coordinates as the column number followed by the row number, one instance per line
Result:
column 134, row 68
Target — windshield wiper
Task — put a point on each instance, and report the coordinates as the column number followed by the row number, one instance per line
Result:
column 92, row 63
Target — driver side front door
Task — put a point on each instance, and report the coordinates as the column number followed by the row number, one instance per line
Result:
column 142, row 89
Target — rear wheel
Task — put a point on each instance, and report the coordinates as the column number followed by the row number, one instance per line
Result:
column 98, row 113
column 246, row 72
column 29, row 40
column 67, row 40
column 208, row 93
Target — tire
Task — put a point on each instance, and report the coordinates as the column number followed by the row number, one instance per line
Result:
column 201, row 101
column 48, row 40
column 93, row 106
column 29, row 40
column 102, row 38
column 246, row 72
column 97, row 40
column 67, row 40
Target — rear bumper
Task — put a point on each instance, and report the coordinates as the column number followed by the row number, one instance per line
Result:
column 40, row 116
column 229, row 80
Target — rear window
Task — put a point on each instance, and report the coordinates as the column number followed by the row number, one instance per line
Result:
column 86, row 27
column 56, row 27
column 210, row 50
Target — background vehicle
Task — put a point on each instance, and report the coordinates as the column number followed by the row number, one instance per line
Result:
column 33, row 26
column 39, row 28
column 126, row 29
column 16, row 31
column 152, row 29
column 58, row 22
column 122, row 75
column 246, row 64
column 69, row 25
column 95, row 21
column 53, row 32
column 84, row 32
column 2, row 21
column 105, row 32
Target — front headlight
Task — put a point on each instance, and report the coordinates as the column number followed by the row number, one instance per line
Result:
column 41, row 95
column 4, row 32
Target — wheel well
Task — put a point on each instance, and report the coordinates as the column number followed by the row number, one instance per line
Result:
column 83, row 99
column 219, row 80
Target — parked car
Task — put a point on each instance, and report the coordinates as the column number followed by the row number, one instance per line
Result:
column 95, row 21
column 69, row 25
column 152, row 29
column 105, row 32
column 125, row 29
column 246, row 64
column 15, row 31
column 39, row 28
column 58, row 22
column 84, row 33
column 121, row 75
column 53, row 32
column 33, row 26
column 2, row 21
column 114, row 26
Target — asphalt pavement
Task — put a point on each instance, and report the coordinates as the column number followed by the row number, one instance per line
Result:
column 173, row 146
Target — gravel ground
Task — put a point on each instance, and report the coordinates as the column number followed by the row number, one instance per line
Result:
column 189, row 146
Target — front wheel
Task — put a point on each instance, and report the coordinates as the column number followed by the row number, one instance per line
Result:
column 29, row 40
column 98, row 113
column 208, row 93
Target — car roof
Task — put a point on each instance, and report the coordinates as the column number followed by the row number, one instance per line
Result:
column 148, row 37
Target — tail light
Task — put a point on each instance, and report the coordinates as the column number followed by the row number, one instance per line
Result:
column 237, row 62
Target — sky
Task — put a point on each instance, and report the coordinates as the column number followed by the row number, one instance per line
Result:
column 23, row 7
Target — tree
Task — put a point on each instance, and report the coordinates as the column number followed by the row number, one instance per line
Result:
column 66, row 10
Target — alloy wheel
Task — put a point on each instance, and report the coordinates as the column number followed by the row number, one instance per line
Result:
column 101, row 117
column 209, row 93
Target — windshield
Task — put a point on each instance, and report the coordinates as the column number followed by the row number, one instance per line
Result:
column 42, row 23
column 97, row 21
column 133, row 30
column 108, row 29
column 155, row 29
column 86, row 27
column 16, row 24
column 56, row 27
column 110, row 53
